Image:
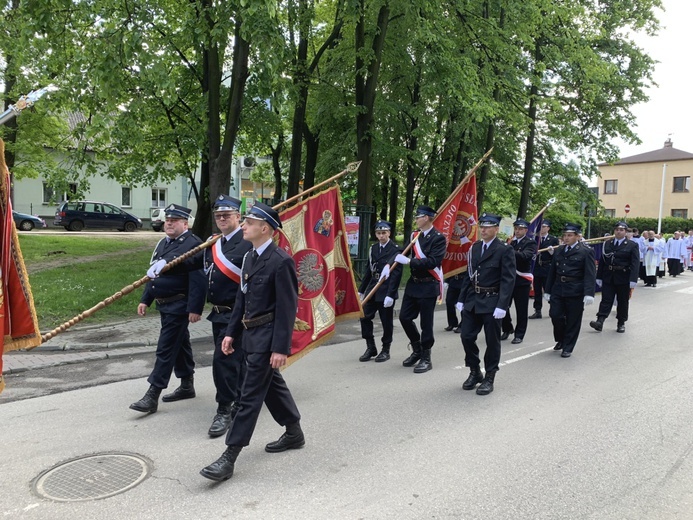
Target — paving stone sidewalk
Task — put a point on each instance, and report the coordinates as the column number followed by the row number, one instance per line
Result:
column 101, row 341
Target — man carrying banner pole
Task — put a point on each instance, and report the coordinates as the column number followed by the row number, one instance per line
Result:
column 424, row 287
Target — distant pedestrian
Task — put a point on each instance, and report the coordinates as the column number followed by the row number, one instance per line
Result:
column 676, row 249
column 650, row 252
column 266, row 307
column 617, row 275
column 179, row 294
column 380, row 256
column 423, row 288
column 484, row 298
column 569, row 287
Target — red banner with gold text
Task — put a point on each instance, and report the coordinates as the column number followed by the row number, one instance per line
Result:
column 314, row 234
column 458, row 222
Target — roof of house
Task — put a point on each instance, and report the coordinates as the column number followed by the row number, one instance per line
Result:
column 666, row 154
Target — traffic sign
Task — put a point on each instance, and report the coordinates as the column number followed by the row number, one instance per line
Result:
column 627, row 208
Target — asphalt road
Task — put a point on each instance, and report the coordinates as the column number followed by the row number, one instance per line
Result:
column 605, row 434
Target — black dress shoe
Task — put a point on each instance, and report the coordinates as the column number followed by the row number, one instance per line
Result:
column 621, row 327
column 597, row 325
column 286, row 442
column 220, row 424
column 222, row 468
column 449, row 328
column 535, row 316
column 565, row 354
column 149, row 403
column 186, row 390
column 505, row 335
column 558, row 346
column 516, row 341
column 457, row 329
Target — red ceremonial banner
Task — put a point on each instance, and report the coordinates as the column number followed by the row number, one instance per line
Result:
column 18, row 324
column 315, row 235
column 458, row 222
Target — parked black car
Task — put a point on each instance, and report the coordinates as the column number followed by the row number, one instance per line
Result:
column 75, row 216
column 26, row 222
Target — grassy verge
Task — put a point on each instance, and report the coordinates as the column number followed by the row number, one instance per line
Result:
column 64, row 292
column 36, row 249
column 66, row 284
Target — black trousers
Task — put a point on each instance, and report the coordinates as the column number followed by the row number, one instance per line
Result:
column 228, row 372
column 521, row 300
column 622, row 293
column 450, row 301
column 262, row 384
column 566, row 317
column 472, row 323
column 539, row 288
column 674, row 265
column 173, row 351
column 411, row 308
column 386, row 315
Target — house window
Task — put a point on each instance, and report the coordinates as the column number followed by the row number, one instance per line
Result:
column 125, row 196
column 158, row 197
column 610, row 213
column 610, row 186
column 679, row 213
column 49, row 193
column 682, row 184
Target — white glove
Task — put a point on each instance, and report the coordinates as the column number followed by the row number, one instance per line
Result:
column 459, row 306
column 599, row 282
column 547, row 297
column 446, row 285
column 156, row 268
column 633, row 284
column 385, row 273
column 389, row 302
column 360, row 296
column 401, row 259
column 499, row 314
column 550, row 250
column 588, row 300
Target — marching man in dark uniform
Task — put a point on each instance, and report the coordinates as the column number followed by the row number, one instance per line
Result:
column 617, row 274
column 424, row 287
column 265, row 307
column 484, row 298
column 541, row 267
column 380, row 256
column 223, row 263
column 569, row 287
column 451, row 296
column 525, row 248
column 180, row 297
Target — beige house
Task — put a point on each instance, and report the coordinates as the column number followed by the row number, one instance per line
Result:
column 638, row 182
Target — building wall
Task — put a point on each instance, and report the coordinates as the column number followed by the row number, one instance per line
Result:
column 639, row 185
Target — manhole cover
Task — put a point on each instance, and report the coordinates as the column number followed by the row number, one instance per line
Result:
column 92, row 477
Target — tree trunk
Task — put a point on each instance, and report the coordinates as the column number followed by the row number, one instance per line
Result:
column 276, row 155
column 531, row 135
column 365, row 98
column 394, row 194
column 312, row 148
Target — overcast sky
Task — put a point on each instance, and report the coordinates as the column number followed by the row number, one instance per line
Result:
column 670, row 109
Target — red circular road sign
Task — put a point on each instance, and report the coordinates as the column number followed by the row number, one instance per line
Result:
column 627, row 208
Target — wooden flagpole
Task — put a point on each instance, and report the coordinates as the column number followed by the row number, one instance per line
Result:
column 588, row 241
column 442, row 207
column 351, row 167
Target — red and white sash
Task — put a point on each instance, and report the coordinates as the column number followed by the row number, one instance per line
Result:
column 224, row 264
column 437, row 272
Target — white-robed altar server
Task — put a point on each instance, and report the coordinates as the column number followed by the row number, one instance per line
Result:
column 650, row 254
column 676, row 250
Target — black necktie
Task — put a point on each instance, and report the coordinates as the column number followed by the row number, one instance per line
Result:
column 223, row 241
column 255, row 256
column 567, row 249
column 483, row 249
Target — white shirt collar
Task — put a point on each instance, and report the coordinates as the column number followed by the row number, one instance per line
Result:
column 228, row 237
column 262, row 248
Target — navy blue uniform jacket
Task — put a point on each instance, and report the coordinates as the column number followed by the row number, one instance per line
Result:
column 272, row 286
column 495, row 269
column 577, row 264
column 186, row 278
column 376, row 262
column 626, row 257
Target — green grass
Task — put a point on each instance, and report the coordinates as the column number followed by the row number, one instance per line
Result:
column 62, row 293
column 90, row 270
column 38, row 248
